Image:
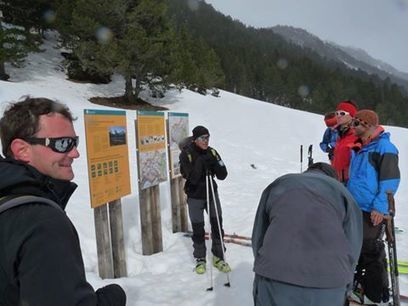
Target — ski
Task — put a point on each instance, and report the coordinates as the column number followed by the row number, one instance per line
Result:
column 402, row 267
column 392, row 251
column 227, row 239
column 234, row 236
column 402, row 263
column 237, row 241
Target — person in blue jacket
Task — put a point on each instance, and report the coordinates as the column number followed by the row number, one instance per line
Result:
column 330, row 134
column 373, row 172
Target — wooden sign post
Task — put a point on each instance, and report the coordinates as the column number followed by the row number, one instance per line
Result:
column 109, row 180
column 177, row 130
column 151, row 156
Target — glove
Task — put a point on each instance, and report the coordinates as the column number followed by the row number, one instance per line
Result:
column 112, row 295
column 209, row 160
column 331, row 153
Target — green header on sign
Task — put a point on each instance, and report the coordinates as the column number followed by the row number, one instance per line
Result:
column 178, row 114
column 104, row 112
column 150, row 113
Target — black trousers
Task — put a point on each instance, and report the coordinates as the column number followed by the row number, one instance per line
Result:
column 371, row 271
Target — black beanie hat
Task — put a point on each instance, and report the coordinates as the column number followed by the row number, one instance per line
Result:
column 199, row 131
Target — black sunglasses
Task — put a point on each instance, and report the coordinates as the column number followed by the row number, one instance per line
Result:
column 58, row 144
column 357, row 122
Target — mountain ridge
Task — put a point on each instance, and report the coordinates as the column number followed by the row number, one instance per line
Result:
column 354, row 58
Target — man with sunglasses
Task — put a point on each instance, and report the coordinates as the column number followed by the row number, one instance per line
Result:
column 197, row 161
column 345, row 111
column 374, row 171
column 41, row 261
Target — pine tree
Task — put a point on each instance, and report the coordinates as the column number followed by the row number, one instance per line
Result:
column 31, row 15
column 14, row 47
column 132, row 38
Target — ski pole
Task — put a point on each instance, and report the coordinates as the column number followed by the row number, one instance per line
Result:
column 207, row 189
column 310, row 154
column 301, row 158
column 227, row 284
column 392, row 250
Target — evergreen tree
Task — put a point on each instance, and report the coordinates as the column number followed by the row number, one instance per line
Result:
column 132, row 38
column 31, row 15
column 14, row 47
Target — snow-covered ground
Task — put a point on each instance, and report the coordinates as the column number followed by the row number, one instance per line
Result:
column 245, row 131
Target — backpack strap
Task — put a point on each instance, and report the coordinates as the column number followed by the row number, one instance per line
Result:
column 9, row 202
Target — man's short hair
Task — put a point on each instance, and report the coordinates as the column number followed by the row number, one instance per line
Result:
column 325, row 168
column 21, row 119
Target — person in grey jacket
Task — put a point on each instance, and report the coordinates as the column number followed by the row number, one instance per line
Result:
column 306, row 240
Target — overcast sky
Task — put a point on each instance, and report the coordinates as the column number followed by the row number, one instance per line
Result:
column 379, row 27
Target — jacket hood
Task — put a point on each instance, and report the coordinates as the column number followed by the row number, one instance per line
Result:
column 18, row 178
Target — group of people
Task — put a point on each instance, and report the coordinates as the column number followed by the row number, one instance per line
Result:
column 317, row 235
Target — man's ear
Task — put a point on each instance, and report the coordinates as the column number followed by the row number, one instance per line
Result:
column 21, row 150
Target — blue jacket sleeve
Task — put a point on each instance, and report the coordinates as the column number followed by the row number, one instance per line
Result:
column 324, row 145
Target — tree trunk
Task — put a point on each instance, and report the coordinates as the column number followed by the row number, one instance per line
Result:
column 138, row 87
column 130, row 98
column 3, row 75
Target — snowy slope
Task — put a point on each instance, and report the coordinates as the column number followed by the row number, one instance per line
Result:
column 243, row 130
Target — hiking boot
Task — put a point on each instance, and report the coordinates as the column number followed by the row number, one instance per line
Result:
column 200, row 266
column 357, row 295
column 221, row 265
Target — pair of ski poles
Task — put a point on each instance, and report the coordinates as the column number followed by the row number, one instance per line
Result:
column 209, row 183
column 392, row 250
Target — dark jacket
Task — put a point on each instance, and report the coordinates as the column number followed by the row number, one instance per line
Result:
column 40, row 256
column 307, row 232
column 194, row 164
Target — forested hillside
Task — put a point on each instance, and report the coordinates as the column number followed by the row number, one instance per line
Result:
column 261, row 64
column 157, row 43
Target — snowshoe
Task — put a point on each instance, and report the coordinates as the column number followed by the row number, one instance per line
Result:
column 221, row 265
column 200, row 266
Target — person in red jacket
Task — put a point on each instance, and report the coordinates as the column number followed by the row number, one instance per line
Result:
column 345, row 112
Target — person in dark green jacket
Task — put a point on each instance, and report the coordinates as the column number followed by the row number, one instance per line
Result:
column 306, row 240
column 40, row 256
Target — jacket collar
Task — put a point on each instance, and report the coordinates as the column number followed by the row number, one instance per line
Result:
column 18, row 178
column 360, row 143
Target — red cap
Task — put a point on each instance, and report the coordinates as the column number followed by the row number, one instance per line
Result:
column 348, row 106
